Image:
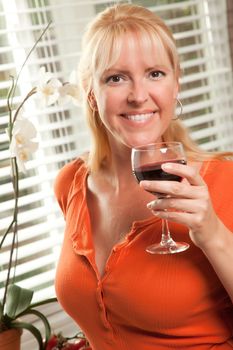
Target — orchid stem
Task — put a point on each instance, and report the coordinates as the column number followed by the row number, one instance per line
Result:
column 25, row 61
column 32, row 92
column 14, row 224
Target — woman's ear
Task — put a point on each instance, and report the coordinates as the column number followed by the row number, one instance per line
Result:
column 176, row 89
column 92, row 100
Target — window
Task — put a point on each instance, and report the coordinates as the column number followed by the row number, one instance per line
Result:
column 200, row 29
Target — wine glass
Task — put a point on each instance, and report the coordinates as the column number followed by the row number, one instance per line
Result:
column 146, row 165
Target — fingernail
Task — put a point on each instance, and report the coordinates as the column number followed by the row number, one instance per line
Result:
column 152, row 204
column 166, row 166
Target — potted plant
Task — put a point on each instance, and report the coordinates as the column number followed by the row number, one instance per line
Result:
column 18, row 304
column 17, row 301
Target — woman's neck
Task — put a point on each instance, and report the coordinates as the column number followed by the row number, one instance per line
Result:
column 118, row 172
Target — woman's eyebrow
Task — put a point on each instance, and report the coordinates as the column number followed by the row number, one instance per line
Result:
column 126, row 71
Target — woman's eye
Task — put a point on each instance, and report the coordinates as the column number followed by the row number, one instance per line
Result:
column 157, row 74
column 114, row 79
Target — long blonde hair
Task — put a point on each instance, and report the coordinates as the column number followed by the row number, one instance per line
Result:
column 101, row 48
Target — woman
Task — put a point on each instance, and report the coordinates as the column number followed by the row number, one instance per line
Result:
column 121, row 296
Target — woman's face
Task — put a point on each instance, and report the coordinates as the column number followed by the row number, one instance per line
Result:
column 136, row 96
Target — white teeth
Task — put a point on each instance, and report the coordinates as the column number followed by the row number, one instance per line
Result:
column 139, row 117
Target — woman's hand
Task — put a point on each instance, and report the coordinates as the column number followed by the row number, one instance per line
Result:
column 189, row 203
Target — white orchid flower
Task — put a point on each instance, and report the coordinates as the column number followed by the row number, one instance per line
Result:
column 47, row 88
column 22, row 145
column 69, row 92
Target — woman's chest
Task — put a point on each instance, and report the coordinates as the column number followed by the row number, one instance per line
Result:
column 111, row 220
column 145, row 291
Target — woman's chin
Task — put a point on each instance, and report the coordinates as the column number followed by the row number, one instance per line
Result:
column 143, row 142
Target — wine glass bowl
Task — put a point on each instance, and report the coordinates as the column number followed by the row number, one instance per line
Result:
column 147, row 165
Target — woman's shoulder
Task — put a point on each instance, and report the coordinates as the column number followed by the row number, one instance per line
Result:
column 218, row 174
column 70, row 172
column 218, row 166
column 219, row 179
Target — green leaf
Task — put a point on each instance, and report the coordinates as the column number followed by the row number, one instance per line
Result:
column 43, row 302
column 42, row 318
column 18, row 300
column 32, row 329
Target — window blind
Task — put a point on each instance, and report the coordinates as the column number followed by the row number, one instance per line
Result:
column 200, row 29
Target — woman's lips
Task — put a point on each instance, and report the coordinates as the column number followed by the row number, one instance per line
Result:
column 139, row 117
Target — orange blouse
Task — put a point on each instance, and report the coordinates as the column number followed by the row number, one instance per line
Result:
column 143, row 301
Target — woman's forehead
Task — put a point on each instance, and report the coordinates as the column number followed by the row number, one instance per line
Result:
column 152, row 43
column 129, row 46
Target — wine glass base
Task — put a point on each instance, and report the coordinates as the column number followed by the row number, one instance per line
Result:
column 175, row 247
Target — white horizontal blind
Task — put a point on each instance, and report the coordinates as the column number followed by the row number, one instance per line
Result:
column 200, row 28
column 206, row 92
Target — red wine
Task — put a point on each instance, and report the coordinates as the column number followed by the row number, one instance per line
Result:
column 155, row 172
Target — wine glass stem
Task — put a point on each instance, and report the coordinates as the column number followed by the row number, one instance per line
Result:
column 166, row 235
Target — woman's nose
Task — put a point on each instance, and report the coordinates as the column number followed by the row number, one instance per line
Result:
column 138, row 93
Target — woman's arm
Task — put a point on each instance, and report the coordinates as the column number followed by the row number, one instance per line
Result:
column 190, row 204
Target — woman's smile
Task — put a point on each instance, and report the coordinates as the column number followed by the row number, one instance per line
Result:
column 139, row 118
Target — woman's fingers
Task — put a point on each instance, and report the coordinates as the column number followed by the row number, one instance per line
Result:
column 186, row 202
column 192, row 186
column 184, row 171
column 184, row 205
column 181, row 218
column 195, row 214
column 174, row 189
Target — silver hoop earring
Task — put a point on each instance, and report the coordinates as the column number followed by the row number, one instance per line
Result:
column 181, row 109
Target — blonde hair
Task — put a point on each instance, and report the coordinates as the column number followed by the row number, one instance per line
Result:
column 101, row 49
